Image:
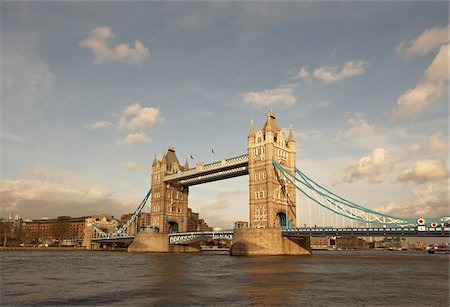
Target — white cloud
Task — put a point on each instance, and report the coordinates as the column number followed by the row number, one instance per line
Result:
column 425, row 43
column 434, row 145
column 282, row 97
column 424, row 171
column 307, row 135
column 137, row 138
column 368, row 167
column 434, row 83
column 100, row 40
column 303, row 73
column 103, row 124
column 134, row 165
column 358, row 126
column 142, row 118
column 330, row 74
column 417, row 99
column 37, row 198
column 430, row 201
column 438, row 70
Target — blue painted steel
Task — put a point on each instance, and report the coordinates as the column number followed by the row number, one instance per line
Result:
column 343, row 207
column 121, row 230
column 381, row 231
column 173, row 227
column 282, row 220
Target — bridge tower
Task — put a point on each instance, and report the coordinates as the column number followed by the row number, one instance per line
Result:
column 272, row 202
column 169, row 204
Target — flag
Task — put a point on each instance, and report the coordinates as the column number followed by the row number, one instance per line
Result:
column 212, row 150
column 192, row 157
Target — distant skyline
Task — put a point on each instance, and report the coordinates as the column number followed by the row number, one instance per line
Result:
column 92, row 91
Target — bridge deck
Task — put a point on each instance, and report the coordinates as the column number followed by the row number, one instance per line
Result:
column 375, row 232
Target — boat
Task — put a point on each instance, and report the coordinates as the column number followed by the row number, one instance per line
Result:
column 441, row 249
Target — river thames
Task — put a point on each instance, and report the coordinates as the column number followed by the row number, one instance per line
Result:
column 345, row 278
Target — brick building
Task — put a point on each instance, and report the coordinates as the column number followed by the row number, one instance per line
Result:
column 63, row 228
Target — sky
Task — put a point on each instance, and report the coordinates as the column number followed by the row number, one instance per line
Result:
column 92, row 91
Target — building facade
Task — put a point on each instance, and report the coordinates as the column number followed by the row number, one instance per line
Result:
column 61, row 229
column 272, row 199
column 169, row 203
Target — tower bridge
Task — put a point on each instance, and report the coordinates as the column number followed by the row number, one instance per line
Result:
column 270, row 163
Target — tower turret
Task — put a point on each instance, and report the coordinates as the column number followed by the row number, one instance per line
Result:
column 272, row 201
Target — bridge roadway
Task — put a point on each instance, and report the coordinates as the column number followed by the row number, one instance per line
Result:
column 420, row 231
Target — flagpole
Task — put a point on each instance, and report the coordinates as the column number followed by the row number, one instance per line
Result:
column 212, row 155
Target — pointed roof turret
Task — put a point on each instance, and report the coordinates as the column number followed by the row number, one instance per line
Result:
column 291, row 134
column 252, row 131
column 171, row 157
column 163, row 160
column 186, row 164
column 271, row 123
column 155, row 161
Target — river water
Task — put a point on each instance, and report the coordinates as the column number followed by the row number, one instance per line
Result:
column 345, row 278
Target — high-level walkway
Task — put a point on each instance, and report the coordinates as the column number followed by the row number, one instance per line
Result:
column 229, row 168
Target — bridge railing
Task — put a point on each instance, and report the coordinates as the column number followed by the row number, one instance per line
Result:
column 178, row 238
column 208, row 167
column 421, row 231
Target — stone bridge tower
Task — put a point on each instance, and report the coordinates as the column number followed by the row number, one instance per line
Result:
column 272, row 201
column 169, row 204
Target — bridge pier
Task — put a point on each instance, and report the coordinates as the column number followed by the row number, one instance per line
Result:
column 159, row 243
column 267, row 241
column 150, row 242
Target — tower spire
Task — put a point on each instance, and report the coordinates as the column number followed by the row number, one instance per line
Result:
column 252, row 131
column 291, row 134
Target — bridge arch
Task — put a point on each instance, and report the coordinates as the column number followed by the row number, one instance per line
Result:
column 173, row 227
column 282, row 220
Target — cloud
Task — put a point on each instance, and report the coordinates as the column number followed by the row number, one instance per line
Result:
column 438, row 70
column 99, row 41
column 103, row 124
column 26, row 79
column 434, row 145
column 367, row 168
column 322, row 104
column 358, row 126
column 424, row 171
column 137, row 118
column 425, row 43
column 51, row 176
column 434, row 83
column 36, row 198
column 134, row 165
column 137, row 138
column 218, row 205
column 330, row 74
column 307, row 135
column 281, row 96
column 12, row 137
column 417, row 99
column 429, row 201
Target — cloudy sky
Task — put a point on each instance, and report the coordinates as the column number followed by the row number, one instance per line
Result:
column 91, row 92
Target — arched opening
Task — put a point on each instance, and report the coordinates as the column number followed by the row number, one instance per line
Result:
column 281, row 217
column 173, row 227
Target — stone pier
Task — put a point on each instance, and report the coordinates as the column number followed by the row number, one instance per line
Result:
column 267, row 241
column 159, row 243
